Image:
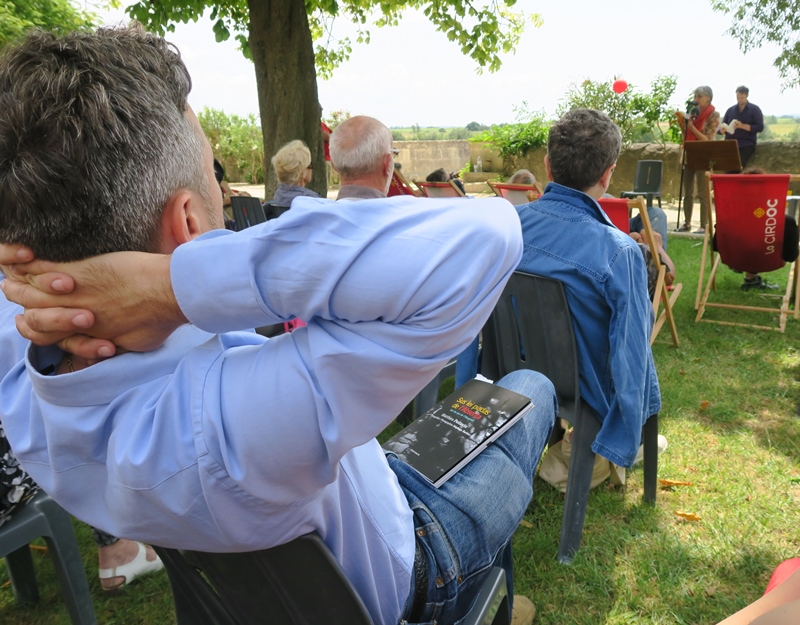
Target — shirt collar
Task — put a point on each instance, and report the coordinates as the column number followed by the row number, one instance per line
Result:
column 355, row 192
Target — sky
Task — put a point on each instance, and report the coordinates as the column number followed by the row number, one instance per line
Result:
column 411, row 74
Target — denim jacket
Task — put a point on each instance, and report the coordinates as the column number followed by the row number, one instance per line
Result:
column 568, row 237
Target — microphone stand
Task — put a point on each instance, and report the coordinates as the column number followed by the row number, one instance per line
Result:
column 691, row 109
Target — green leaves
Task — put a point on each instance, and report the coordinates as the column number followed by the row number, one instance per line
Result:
column 756, row 22
column 639, row 115
column 19, row 16
column 237, row 144
column 483, row 31
column 518, row 139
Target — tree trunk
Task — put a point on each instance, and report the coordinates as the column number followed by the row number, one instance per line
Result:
column 286, row 78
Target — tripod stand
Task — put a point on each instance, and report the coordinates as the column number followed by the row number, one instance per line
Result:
column 691, row 113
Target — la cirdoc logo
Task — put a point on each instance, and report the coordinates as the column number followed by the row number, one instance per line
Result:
column 769, row 224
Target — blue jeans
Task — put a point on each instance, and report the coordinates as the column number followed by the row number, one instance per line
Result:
column 658, row 219
column 465, row 527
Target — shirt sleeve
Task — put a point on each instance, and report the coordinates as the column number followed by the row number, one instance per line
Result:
column 757, row 125
column 390, row 290
column 629, row 344
column 711, row 125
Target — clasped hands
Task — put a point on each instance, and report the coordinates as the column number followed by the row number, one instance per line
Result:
column 93, row 308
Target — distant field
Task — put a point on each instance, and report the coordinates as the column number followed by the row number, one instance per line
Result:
column 783, row 128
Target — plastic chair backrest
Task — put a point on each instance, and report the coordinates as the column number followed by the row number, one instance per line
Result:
column 43, row 517
column 750, row 220
column 515, row 193
column 298, row 583
column 531, row 328
column 440, row 189
column 247, row 211
column 617, row 211
column 273, row 211
column 648, row 177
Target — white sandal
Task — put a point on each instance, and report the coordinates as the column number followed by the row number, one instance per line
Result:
column 137, row 567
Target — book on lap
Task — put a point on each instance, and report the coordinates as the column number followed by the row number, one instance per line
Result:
column 457, row 429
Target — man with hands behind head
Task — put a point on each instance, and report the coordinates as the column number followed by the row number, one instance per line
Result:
column 220, row 440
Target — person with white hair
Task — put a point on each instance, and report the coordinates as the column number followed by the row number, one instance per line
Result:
column 701, row 125
column 363, row 155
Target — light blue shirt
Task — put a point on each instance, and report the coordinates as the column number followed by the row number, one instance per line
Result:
column 231, row 442
column 568, row 237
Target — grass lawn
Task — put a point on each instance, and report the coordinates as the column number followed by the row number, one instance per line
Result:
column 730, row 413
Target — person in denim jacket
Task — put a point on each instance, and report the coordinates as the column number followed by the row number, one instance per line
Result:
column 568, row 237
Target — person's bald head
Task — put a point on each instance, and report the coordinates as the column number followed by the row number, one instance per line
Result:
column 360, row 148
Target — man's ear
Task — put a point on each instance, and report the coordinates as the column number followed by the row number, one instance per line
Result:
column 605, row 179
column 547, row 167
column 179, row 221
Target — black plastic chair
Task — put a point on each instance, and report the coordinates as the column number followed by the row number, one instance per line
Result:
column 299, row 583
column 531, row 328
column 43, row 517
column 247, row 211
column 647, row 182
column 273, row 211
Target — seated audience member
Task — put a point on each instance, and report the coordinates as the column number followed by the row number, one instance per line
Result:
column 652, row 272
column 440, row 175
column 232, row 442
column 120, row 561
column 292, row 165
column 523, row 176
column 604, row 278
column 789, row 251
column 658, row 221
column 227, row 192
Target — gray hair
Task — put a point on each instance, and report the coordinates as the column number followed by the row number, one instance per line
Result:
column 358, row 146
column 581, row 146
column 522, row 176
column 704, row 90
column 291, row 162
column 93, row 141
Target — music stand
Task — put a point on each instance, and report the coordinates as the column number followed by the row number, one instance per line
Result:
column 711, row 156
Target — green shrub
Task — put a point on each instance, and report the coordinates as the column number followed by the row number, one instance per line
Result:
column 518, row 139
column 639, row 115
column 237, row 143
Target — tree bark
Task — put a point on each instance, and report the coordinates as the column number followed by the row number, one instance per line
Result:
column 286, row 78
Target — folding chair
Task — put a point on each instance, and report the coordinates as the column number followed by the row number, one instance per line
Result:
column 647, row 182
column 531, row 328
column 439, row 189
column 43, row 517
column 299, row 583
column 400, row 186
column 516, row 193
column 618, row 211
column 247, row 211
column 750, row 213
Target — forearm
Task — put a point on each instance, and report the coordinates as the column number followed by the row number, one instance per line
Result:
column 421, row 263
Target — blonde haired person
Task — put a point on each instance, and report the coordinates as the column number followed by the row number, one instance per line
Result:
column 292, row 164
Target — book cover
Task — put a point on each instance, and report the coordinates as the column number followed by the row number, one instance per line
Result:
column 457, row 429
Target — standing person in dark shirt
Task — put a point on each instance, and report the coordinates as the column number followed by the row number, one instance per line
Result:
column 747, row 121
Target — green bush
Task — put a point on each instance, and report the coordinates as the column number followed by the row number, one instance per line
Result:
column 518, row 139
column 639, row 115
column 237, row 143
